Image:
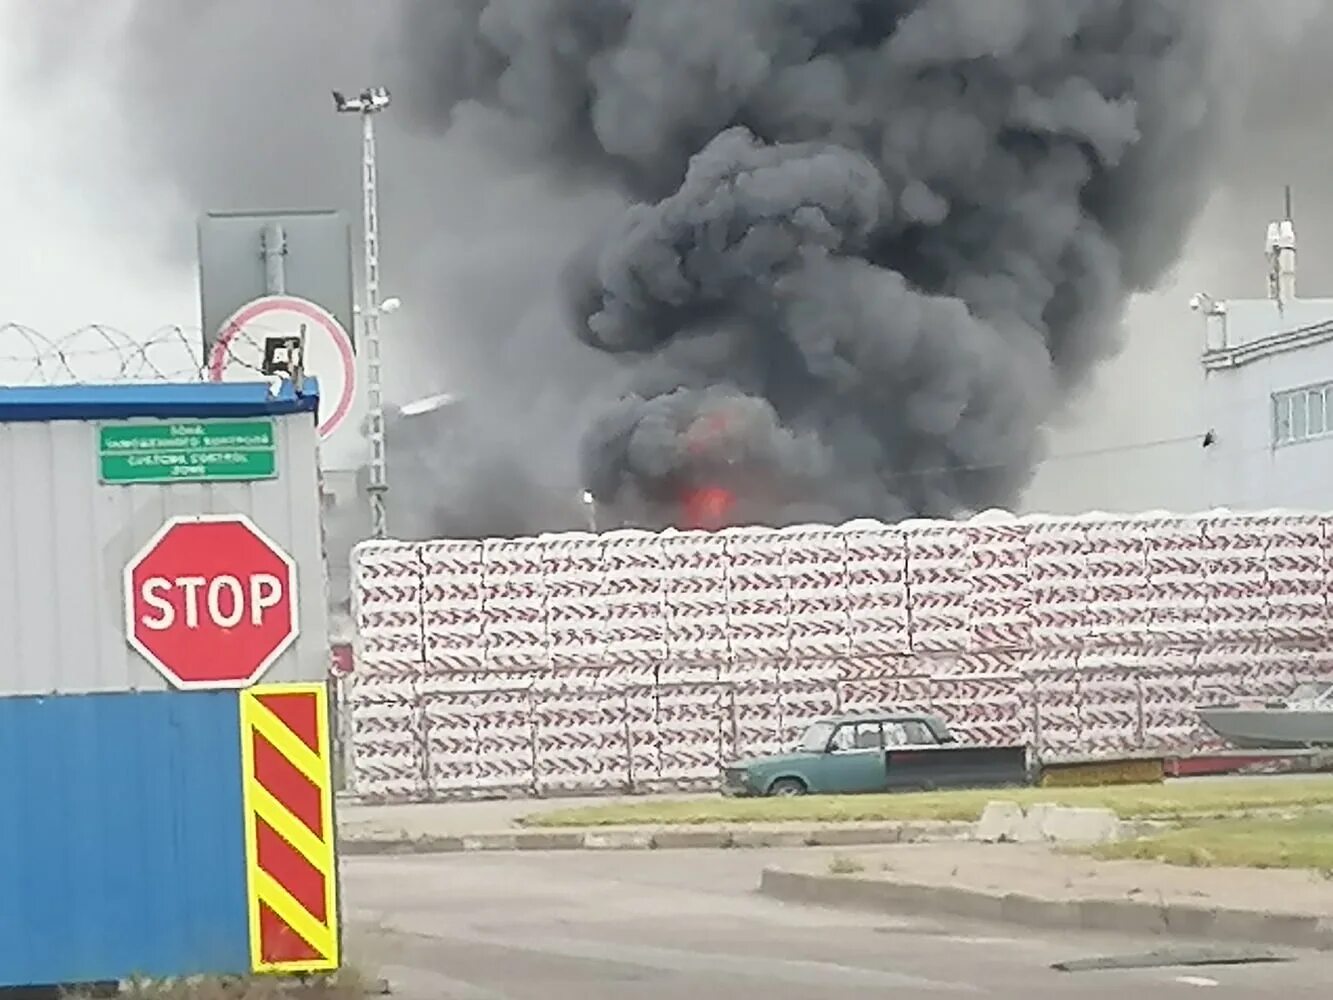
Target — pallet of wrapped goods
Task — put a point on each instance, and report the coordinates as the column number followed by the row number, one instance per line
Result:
column 1296, row 562
column 453, row 605
column 750, row 715
column 1054, row 703
column 801, row 701
column 1058, row 583
column 575, row 613
column 975, row 701
column 938, row 587
column 569, row 735
column 514, row 589
column 1110, row 711
column 695, row 571
column 450, row 727
column 624, row 709
column 756, row 588
column 1118, row 601
column 689, row 732
column 999, row 602
column 1177, row 585
column 814, row 563
column 633, row 594
column 388, row 744
column 1236, row 579
column 387, row 594
column 504, row 720
column 878, row 620
column 1167, row 701
column 643, row 750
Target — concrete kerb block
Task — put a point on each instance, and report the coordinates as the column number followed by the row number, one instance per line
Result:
column 1046, row 823
column 844, row 836
column 550, row 840
column 1106, row 915
column 371, row 846
column 670, row 840
column 999, row 823
column 491, row 842
column 618, row 840
column 756, row 839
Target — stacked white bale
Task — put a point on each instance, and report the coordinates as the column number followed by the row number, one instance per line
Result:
column 939, row 588
column 633, row 593
column 750, row 712
column 514, row 592
column 877, row 620
column 815, row 564
column 1118, row 606
column 1297, row 564
column 757, row 612
column 572, row 566
column 642, row 659
column 1109, row 707
column 804, row 695
column 453, row 602
column 695, row 568
column 640, row 755
column 570, row 735
column 450, row 719
column 1053, row 694
column 388, row 738
column 1058, row 581
column 502, row 705
column 877, row 684
column 689, row 733
column 982, row 695
column 1177, row 587
column 999, row 603
column 1236, row 578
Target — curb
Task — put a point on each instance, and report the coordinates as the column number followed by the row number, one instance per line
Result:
column 655, row 839
column 1122, row 916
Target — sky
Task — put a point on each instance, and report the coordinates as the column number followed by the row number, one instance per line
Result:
column 96, row 235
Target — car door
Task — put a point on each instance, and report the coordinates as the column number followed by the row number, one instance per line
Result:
column 854, row 763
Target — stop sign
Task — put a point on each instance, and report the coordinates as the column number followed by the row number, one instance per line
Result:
column 210, row 601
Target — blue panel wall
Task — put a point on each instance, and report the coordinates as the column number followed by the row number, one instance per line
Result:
column 121, row 837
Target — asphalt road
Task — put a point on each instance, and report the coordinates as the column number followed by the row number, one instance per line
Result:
column 688, row 924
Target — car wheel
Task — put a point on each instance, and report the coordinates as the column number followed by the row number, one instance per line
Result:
column 786, row 788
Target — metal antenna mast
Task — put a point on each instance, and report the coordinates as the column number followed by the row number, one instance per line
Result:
column 369, row 103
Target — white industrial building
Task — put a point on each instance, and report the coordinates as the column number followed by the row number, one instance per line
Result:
column 1231, row 406
column 1268, row 392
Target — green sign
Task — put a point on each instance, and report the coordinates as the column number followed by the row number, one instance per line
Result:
column 187, row 451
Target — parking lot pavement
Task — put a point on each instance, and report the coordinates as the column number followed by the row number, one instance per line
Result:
column 666, row 925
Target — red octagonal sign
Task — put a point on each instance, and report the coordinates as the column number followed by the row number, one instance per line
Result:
column 210, row 601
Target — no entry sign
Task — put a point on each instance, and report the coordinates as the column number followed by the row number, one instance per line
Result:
column 210, row 601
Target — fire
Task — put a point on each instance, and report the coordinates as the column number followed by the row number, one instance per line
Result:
column 707, row 507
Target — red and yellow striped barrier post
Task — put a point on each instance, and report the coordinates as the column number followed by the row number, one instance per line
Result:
column 291, row 862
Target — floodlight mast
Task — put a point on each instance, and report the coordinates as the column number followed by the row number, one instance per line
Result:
column 367, row 104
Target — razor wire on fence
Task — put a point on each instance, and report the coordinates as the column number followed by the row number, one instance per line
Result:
column 98, row 353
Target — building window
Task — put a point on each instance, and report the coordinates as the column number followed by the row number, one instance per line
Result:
column 1303, row 414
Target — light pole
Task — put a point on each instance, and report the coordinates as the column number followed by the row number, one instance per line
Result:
column 368, row 104
column 590, row 507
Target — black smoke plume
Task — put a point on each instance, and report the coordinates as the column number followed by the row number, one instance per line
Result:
column 873, row 244
column 716, row 260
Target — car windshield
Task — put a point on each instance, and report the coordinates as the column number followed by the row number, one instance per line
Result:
column 816, row 737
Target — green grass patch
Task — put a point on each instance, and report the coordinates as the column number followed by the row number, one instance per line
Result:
column 1172, row 800
column 1303, row 842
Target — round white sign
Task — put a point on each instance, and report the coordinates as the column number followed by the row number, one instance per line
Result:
column 238, row 352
